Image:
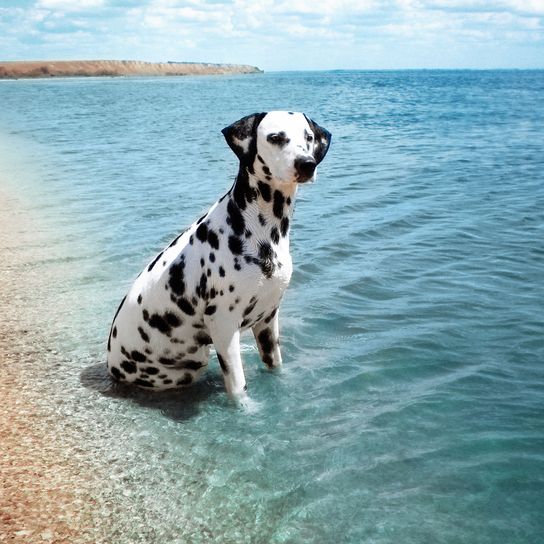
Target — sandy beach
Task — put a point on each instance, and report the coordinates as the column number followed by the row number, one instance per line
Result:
column 116, row 68
column 46, row 477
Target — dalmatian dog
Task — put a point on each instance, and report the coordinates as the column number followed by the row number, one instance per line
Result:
column 227, row 272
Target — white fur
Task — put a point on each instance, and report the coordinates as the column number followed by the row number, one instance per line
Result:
column 159, row 342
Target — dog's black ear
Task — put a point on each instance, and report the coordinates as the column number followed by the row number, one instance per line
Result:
column 322, row 139
column 242, row 135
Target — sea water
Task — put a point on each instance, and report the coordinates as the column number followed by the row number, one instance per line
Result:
column 411, row 404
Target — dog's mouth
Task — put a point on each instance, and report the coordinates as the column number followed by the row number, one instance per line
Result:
column 305, row 179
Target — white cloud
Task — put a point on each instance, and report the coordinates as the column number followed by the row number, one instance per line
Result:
column 280, row 32
column 70, row 5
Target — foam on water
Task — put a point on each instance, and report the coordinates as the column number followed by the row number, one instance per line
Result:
column 410, row 408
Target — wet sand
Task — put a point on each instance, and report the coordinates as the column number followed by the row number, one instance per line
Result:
column 46, row 477
column 113, row 68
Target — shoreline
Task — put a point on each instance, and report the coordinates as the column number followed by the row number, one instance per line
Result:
column 47, row 481
column 116, row 68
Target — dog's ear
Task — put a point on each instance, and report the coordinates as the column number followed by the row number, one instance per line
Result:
column 322, row 138
column 242, row 135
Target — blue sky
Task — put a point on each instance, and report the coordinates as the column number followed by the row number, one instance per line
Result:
column 281, row 34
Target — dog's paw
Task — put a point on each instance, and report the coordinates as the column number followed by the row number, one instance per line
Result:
column 247, row 404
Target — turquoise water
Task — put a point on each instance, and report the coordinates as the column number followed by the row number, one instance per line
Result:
column 411, row 405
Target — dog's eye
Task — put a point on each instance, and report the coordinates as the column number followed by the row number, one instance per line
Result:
column 309, row 138
column 277, row 138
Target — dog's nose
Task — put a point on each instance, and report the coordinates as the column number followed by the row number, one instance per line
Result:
column 305, row 167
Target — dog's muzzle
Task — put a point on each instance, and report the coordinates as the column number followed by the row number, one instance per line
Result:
column 305, row 168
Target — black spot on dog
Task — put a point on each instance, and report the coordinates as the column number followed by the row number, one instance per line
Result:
column 222, row 364
column 114, row 332
column 176, row 280
column 202, row 286
column 260, row 159
column 116, row 373
column 192, row 350
column 139, row 298
column 154, row 262
column 143, row 334
column 266, row 341
column 266, row 259
column 267, row 345
column 212, row 257
column 245, row 323
column 143, row 383
column 202, row 262
column 267, row 360
column 221, row 271
column 202, row 232
column 236, row 245
column 213, row 239
column 262, row 220
column 265, row 190
column 137, row 356
column 175, row 240
column 151, row 370
column 202, row 339
column 250, row 307
column 186, row 380
column 191, row 240
column 166, row 361
column 158, row 322
column 192, row 365
column 201, row 219
column 270, row 317
column 185, row 306
column 279, row 201
column 266, row 170
column 237, row 265
column 274, row 235
column 114, row 318
column 240, row 188
column 231, row 288
column 167, row 381
column 210, row 310
column 129, row 367
column 248, row 233
column 172, row 319
column 284, row 226
column 288, row 201
column 235, row 217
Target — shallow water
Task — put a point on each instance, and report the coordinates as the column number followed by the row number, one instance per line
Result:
column 411, row 405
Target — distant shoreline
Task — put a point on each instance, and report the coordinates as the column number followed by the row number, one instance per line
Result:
column 116, row 68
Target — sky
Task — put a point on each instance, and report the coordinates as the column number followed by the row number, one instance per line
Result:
column 280, row 34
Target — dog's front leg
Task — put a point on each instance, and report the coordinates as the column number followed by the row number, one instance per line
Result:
column 267, row 335
column 227, row 346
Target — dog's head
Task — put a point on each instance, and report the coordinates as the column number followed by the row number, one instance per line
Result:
column 282, row 146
